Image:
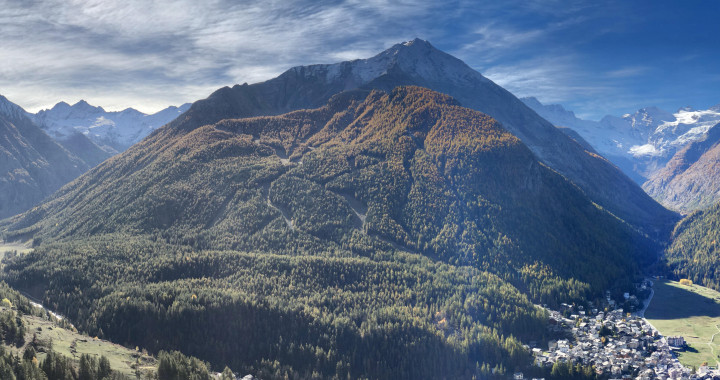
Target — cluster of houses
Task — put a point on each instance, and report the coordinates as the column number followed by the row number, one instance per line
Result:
column 617, row 345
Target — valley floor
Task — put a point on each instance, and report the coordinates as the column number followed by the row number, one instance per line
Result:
column 692, row 312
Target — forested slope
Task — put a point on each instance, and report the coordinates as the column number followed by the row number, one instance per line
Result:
column 381, row 235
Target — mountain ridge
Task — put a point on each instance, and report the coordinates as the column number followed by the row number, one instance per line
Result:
column 32, row 165
column 689, row 181
column 311, row 86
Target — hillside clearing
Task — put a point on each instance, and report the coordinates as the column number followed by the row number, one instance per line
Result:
column 72, row 344
column 14, row 246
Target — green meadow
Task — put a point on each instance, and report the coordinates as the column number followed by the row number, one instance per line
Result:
column 692, row 312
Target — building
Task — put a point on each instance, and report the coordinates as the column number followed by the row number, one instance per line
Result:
column 676, row 341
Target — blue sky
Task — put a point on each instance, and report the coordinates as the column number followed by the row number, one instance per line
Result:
column 596, row 58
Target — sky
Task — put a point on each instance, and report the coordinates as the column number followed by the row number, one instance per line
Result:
column 594, row 57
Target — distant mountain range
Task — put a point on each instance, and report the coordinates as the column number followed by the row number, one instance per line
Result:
column 670, row 154
column 43, row 151
column 112, row 131
column 691, row 179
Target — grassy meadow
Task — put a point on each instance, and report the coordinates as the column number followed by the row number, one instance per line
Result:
column 690, row 311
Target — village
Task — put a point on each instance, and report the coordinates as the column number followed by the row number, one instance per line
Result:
column 618, row 345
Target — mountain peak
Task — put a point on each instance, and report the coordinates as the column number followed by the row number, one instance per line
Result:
column 115, row 129
column 417, row 42
column 531, row 100
column 416, row 59
column 84, row 106
column 555, row 113
column 61, row 104
column 10, row 109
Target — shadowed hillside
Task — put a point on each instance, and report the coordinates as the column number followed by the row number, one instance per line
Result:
column 32, row 165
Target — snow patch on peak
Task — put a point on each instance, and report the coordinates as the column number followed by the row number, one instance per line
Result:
column 83, row 106
column 649, row 118
column 416, row 58
column 416, row 41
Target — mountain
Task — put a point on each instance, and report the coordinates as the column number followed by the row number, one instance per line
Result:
column 85, row 149
column 381, row 235
column 418, row 63
column 623, row 140
column 651, row 146
column 82, row 136
column 691, row 179
column 112, row 131
column 32, row 165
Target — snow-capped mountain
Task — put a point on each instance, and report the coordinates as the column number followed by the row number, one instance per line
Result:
column 414, row 56
column 653, row 147
column 646, row 139
column 691, row 179
column 117, row 130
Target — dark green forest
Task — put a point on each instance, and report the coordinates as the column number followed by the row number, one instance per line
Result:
column 693, row 252
column 418, row 236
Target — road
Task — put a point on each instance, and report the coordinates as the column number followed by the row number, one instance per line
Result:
column 641, row 313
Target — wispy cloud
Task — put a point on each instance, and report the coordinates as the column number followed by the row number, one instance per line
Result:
column 108, row 49
column 628, row 72
column 551, row 79
column 148, row 54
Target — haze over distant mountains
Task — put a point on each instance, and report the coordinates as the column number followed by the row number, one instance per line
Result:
column 671, row 155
